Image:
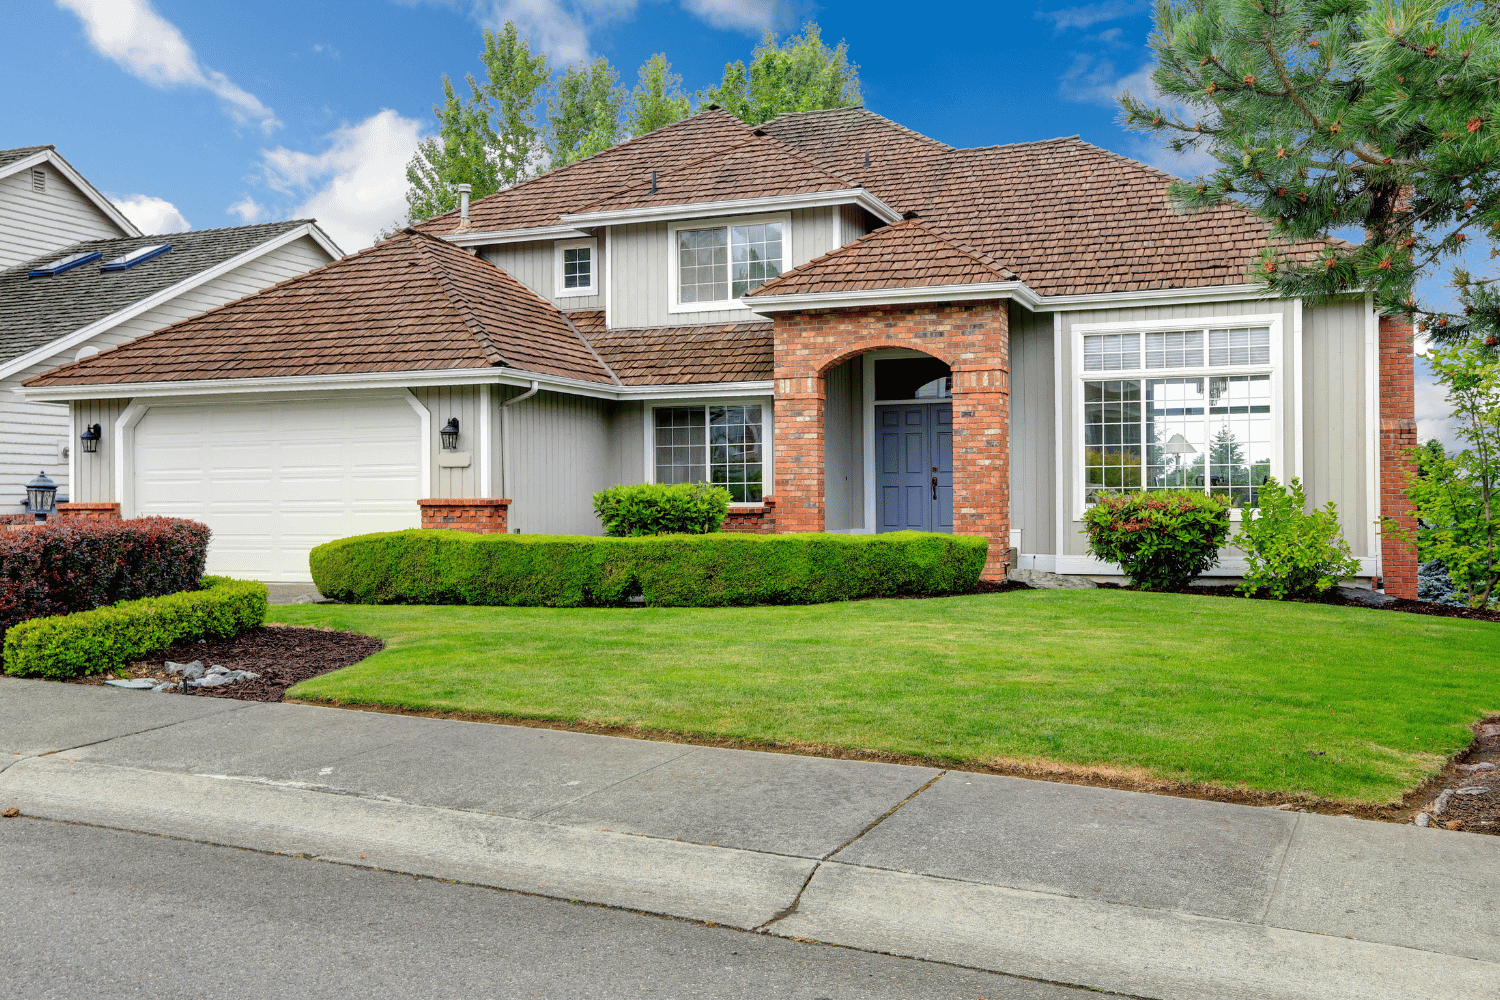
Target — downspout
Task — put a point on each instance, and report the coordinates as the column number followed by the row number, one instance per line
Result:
column 505, row 437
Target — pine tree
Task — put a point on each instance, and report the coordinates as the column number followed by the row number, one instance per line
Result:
column 1342, row 115
column 658, row 99
column 800, row 74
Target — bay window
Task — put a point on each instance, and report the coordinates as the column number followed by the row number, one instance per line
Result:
column 718, row 444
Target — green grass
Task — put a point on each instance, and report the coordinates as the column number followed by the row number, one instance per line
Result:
column 1197, row 689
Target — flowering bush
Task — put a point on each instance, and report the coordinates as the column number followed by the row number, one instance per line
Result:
column 79, row 564
column 1162, row 539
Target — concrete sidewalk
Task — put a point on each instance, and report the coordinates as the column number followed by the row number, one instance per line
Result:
column 1136, row 894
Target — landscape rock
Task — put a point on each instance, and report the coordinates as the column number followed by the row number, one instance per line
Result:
column 1481, row 766
column 1442, row 802
column 1373, row 598
column 1471, row 790
column 135, row 684
column 1041, row 580
column 1422, row 820
column 190, row 670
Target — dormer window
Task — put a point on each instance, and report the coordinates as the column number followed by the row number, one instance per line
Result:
column 576, row 268
column 714, row 266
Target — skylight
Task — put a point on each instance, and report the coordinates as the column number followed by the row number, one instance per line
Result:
column 64, row 264
column 134, row 257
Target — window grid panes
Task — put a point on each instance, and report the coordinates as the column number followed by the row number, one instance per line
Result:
column 721, row 445
column 1175, row 350
column 1239, row 347
column 681, row 438
column 755, row 256
column 1111, row 352
column 578, row 267
column 702, row 265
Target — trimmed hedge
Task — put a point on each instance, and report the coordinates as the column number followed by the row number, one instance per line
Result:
column 108, row 638
column 459, row 567
column 661, row 509
column 75, row 564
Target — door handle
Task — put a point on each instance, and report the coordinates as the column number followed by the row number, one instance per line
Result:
column 934, row 487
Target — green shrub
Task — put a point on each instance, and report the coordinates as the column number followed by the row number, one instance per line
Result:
column 1163, row 540
column 660, row 509
column 108, row 638
column 1290, row 551
column 458, row 567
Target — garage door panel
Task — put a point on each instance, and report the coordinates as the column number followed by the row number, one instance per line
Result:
column 273, row 480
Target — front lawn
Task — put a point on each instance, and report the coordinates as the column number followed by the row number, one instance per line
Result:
column 1345, row 703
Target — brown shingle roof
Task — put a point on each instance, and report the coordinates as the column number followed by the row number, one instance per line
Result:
column 681, row 355
column 903, row 255
column 412, row 303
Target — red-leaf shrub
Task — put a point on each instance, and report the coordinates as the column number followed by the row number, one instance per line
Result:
column 73, row 565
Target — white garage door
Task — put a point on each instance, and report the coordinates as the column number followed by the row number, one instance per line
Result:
column 275, row 479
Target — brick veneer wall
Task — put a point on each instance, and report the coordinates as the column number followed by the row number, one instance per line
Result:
column 752, row 520
column 973, row 338
column 482, row 515
column 89, row 510
column 1398, row 435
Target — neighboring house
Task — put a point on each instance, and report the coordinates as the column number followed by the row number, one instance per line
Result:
column 851, row 326
column 77, row 299
column 45, row 205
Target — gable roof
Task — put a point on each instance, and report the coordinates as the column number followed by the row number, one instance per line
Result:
column 411, row 303
column 9, row 156
column 681, row 355
column 34, row 312
column 25, row 157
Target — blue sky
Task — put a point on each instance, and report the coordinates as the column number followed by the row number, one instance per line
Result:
column 201, row 113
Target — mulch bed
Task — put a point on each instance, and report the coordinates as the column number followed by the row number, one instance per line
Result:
column 1398, row 604
column 282, row 655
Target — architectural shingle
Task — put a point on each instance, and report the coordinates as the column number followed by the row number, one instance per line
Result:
column 20, row 153
column 412, row 303
column 681, row 355
column 903, row 255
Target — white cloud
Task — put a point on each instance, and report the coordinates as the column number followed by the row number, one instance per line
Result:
column 1093, row 13
column 1090, row 80
column 151, row 48
column 738, row 15
column 357, row 185
column 152, row 215
column 558, row 28
column 248, row 210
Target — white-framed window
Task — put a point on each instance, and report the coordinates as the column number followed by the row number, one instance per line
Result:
column 721, row 442
column 714, row 263
column 577, row 271
column 1193, row 405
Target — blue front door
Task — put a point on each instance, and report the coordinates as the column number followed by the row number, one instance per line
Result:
column 914, row 463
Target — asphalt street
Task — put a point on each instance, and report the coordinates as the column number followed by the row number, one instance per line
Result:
column 91, row 912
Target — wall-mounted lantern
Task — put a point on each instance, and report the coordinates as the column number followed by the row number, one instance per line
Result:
column 90, row 438
column 41, row 496
column 449, row 434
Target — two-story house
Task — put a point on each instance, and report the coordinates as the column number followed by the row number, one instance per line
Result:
column 77, row 277
column 850, row 326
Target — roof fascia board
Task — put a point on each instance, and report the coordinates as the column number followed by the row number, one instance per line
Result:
column 1157, row 296
column 377, row 380
column 813, row 199
column 493, row 236
column 135, row 309
column 896, row 296
column 77, row 180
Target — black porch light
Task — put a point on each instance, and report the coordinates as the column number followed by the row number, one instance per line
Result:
column 449, row 434
column 90, row 438
column 41, row 496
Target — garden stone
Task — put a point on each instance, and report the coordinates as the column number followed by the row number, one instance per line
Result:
column 1370, row 597
column 1041, row 580
column 137, row 684
column 1483, row 765
column 1442, row 802
column 1422, row 819
column 1473, row 790
column 190, row 670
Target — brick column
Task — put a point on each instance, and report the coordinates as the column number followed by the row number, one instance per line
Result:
column 981, row 462
column 91, row 511
column 1398, row 435
column 481, row 515
column 752, row 520
column 799, row 453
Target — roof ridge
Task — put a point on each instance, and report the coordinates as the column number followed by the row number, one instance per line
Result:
column 455, row 296
column 1029, row 142
column 866, row 111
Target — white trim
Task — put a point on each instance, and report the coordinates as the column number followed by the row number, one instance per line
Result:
column 737, row 206
column 1062, row 418
column 424, row 416
column 77, row 180
column 674, row 271
column 1372, row 428
column 767, row 439
column 485, row 483
column 896, row 296
column 1275, row 369
column 867, row 370
column 558, row 289
column 1232, row 566
column 1297, row 378
column 1159, row 296
column 135, row 309
column 125, row 444
column 609, row 278
column 72, row 440
column 494, row 236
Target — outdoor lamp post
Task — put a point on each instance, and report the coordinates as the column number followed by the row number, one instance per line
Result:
column 90, row 438
column 449, row 434
column 1178, row 446
column 41, row 494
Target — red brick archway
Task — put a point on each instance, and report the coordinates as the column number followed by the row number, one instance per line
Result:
column 972, row 338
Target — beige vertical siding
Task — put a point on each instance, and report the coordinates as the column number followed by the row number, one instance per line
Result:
column 1336, row 431
column 844, row 447
column 854, row 222
column 461, row 401
column 559, row 458
column 535, row 266
column 32, row 432
column 34, row 223
column 627, row 443
column 96, row 472
column 1033, row 440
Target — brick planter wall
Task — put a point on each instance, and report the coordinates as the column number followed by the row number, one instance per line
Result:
column 94, row 510
column 1398, row 434
column 753, row 520
column 973, row 338
column 481, row 515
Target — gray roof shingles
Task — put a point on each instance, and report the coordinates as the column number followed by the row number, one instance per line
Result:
column 8, row 156
column 36, row 311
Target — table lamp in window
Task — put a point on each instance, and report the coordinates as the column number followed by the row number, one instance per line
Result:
column 1177, row 446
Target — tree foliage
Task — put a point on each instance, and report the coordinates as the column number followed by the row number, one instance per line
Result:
column 1328, row 115
column 658, row 100
column 799, row 74
column 584, row 112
